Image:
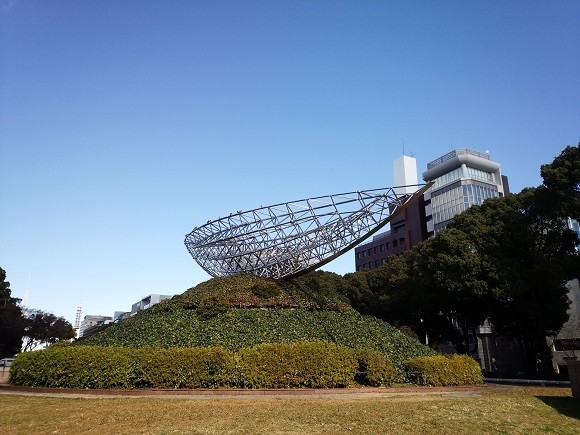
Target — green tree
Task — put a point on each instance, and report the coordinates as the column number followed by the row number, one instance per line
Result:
column 562, row 179
column 455, row 287
column 529, row 253
column 11, row 320
column 43, row 328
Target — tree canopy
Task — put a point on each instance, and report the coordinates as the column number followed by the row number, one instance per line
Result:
column 507, row 260
column 530, row 256
column 11, row 320
column 562, row 179
column 35, row 326
column 44, row 328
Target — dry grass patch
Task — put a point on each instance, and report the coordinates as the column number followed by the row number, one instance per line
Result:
column 521, row 411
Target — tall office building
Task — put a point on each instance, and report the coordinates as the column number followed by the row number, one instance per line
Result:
column 462, row 178
column 407, row 230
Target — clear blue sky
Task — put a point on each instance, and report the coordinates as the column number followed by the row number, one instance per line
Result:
column 124, row 124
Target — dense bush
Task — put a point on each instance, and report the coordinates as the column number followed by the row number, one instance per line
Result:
column 294, row 365
column 304, row 364
column 374, row 368
column 77, row 367
column 308, row 364
column 316, row 290
column 442, row 370
column 186, row 368
column 212, row 305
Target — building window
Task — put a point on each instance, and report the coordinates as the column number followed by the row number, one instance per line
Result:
column 395, row 243
column 567, row 344
column 369, row 252
column 402, row 241
column 376, row 263
column 388, row 246
column 381, row 248
column 375, row 250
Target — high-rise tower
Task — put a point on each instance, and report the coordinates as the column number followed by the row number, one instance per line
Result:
column 462, row 178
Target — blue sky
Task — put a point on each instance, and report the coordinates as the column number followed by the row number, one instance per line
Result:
column 124, row 124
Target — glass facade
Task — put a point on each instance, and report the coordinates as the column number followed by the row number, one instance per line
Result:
column 457, row 174
column 457, row 193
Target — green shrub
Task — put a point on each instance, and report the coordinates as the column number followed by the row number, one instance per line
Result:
column 213, row 305
column 442, row 370
column 186, row 368
column 76, row 367
column 293, row 365
column 290, row 365
column 265, row 289
column 374, row 368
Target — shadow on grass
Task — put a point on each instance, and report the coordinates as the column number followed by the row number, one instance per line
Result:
column 564, row 405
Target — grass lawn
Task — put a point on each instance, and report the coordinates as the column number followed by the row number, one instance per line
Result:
column 518, row 411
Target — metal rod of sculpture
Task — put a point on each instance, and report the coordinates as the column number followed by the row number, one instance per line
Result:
column 292, row 238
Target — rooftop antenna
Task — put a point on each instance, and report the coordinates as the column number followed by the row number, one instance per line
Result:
column 403, row 140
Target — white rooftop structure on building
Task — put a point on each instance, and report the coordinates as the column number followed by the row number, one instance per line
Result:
column 405, row 174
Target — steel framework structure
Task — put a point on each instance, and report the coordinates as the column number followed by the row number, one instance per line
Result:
column 292, row 238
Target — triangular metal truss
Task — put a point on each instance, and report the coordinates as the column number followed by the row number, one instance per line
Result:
column 292, row 238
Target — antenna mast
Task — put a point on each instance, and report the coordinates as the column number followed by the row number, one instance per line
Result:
column 25, row 297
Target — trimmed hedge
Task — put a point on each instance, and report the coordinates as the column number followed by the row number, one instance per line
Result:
column 294, row 365
column 444, row 370
column 186, row 368
column 305, row 364
column 374, row 369
column 77, row 367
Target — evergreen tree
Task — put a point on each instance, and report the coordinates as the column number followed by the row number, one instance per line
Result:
column 11, row 320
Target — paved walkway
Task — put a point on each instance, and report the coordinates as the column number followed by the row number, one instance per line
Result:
column 464, row 391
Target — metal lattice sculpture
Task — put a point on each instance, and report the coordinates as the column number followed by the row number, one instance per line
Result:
column 292, row 238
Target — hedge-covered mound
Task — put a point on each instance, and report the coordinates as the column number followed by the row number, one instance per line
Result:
column 244, row 328
column 283, row 365
column 243, row 311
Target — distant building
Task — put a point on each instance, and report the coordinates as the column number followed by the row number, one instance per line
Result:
column 121, row 315
column 91, row 323
column 566, row 344
column 148, row 301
